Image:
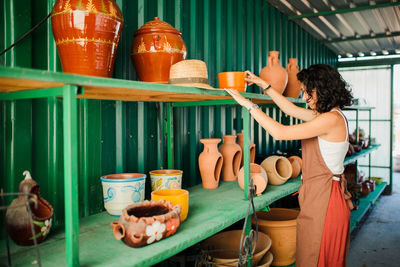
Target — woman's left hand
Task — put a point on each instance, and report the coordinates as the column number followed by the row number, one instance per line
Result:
column 239, row 98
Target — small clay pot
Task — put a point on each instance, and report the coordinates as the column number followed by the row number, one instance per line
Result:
column 274, row 73
column 258, row 175
column 278, row 169
column 293, row 86
column 232, row 155
column 266, row 260
column 296, row 165
column 232, row 80
column 210, row 163
column 240, row 142
column 365, row 189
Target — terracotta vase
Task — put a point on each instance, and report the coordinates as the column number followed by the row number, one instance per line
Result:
column 210, row 163
column 156, row 47
column 274, row 73
column 278, row 169
column 232, row 155
column 280, row 225
column 146, row 222
column 232, row 80
column 296, row 166
column 293, row 87
column 17, row 216
column 240, row 142
column 258, row 175
column 87, row 33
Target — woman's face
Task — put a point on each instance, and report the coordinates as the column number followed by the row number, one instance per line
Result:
column 311, row 102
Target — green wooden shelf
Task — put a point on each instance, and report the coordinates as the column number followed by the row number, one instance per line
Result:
column 210, row 211
column 361, row 154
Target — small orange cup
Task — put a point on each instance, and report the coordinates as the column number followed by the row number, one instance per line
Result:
column 232, row 80
column 176, row 196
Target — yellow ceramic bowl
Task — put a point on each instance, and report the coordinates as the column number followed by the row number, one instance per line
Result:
column 176, row 196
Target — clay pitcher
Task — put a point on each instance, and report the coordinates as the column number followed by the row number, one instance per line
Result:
column 293, row 85
column 210, row 163
column 252, row 149
column 17, row 216
column 87, row 34
column 274, row 73
column 232, row 155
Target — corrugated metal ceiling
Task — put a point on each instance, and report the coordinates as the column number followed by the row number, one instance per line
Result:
column 357, row 27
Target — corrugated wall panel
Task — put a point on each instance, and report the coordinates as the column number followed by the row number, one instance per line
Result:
column 124, row 136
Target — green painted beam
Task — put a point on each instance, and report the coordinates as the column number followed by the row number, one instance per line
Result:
column 205, row 103
column 344, row 10
column 362, row 37
column 29, row 94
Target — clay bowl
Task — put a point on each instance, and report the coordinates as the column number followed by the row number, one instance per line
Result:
column 232, row 80
column 229, row 242
column 266, row 260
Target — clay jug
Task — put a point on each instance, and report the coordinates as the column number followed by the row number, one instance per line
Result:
column 296, row 167
column 210, row 163
column 274, row 73
column 156, row 47
column 278, row 169
column 87, row 34
column 17, row 216
column 252, row 148
column 365, row 188
column 293, row 86
column 258, row 175
column 232, row 155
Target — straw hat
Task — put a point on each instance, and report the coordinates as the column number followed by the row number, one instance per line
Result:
column 189, row 73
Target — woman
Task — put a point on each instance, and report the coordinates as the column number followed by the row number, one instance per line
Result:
column 323, row 222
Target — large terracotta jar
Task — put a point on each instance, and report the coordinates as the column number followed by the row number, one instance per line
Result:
column 274, row 73
column 210, row 163
column 232, row 155
column 258, row 175
column 156, row 47
column 87, row 33
column 18, row 223
column 278, row 169
column 280, row 225
column 293, row 85
column 252, row 149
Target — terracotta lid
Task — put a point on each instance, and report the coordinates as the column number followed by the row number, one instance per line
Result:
column 156, row 25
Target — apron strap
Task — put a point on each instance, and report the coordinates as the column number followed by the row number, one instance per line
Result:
column 346, row 194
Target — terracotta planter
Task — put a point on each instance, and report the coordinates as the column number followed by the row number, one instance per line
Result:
column 252, row 148
column 259, row 176
column 210, row 163
column 266, row 260
column 296, row 167
column 230, row 240
column 156, row 47
column 274, row 73
column 18, row 224
column 232, row 80
column 293, row 86
column 146, row 222
column 87, row 34
column 176, row 196
column 278, row 169
column 280, row 225
column 232, row 155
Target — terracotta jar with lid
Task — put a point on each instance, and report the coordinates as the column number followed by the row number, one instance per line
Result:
column 274, row 73
column 210, row 163
column 232, row 155
column 156, row 47
column 293, row 86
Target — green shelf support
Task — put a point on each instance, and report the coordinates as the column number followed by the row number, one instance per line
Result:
column 29, row 94
column 120, row 140
column 205, row 103
column 267, row 209
column 170, row 135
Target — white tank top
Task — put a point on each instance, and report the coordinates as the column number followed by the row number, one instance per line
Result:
column 334, row 153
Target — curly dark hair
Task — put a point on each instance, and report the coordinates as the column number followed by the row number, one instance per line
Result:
column 332, row 90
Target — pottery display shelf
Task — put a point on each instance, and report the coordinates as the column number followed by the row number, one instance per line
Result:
column 362, row 153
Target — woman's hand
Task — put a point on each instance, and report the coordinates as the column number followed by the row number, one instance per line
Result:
column 254, row 79
column 239, row 98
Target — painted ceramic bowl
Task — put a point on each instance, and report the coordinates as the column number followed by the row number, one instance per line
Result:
column 166, row 179
column 232, row 80
column 121, row 190
column 176, row 197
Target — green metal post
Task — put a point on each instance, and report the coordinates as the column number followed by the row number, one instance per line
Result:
column 71, row 175
column 391, row 125
column 170, row 136
column 369, row 142
column 120, row 133
column 357, row 130
column 246, row 163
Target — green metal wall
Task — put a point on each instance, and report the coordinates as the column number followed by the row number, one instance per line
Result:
column 123, row 137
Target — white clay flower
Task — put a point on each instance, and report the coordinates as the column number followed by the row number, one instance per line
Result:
column 46, row 228
column 155, row 231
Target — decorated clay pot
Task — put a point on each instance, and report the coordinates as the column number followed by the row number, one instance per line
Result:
column 87, row 33
column 176, row 196
column 166, row 179
column 259, row 176
column 274, row 73
column 296, row 167
column 210, row 163
column 278, row 169
column 280, row 225
column 120, row 190
column 232, row 80
column 146, row 222
column 17, row 215
column 156, row 47
column 266, row 260
column 293, row 87
column 224, row 247
column 232, row 155
column 252, row 148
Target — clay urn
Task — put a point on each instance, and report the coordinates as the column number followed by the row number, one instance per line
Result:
column 280, row 225
column 232, row 80
column 274, row 73
column 146, row 222
column 18, row 224
column 296, row 163
column 87, row 34
column 232, row 155
column 210, row 163
column 293, row 87
column 258, row 175
column 278, row 169
column 156, row 47
column 240, row 142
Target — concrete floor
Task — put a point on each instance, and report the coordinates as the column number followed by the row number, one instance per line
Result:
column 377, row 242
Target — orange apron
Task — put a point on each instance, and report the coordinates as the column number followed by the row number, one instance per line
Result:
column 314, row 233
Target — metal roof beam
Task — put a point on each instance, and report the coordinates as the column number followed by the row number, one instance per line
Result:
column 362, row 37
column 345, row 10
